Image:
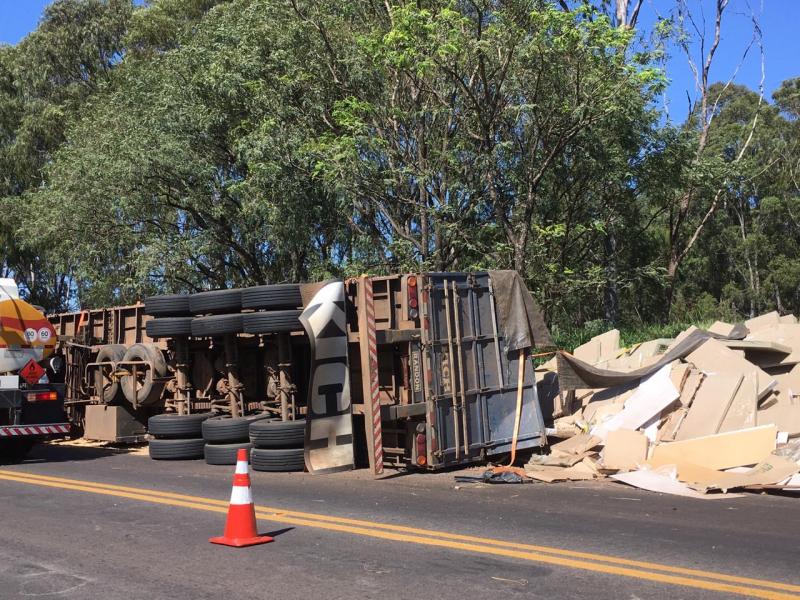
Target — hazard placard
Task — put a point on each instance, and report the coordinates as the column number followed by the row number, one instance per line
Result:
column 32, row 372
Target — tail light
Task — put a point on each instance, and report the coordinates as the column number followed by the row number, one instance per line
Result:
column 422, row 450
column 413, row 301
column 42, row 396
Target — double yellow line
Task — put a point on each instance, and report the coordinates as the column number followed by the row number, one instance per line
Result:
column 587, row 561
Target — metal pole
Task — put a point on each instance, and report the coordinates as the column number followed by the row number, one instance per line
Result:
column 450, row 358
column 284, row 362
column 135, row 388
column 462, row 392
column 232, row 364
column 184, row 405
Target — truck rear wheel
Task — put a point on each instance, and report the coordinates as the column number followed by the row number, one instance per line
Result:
column 169, row 327
column 285, row 295
column 106, row 387
column 216, row 325
column 277, row 459
column 217, row 301
column 275, row 321
column 167, row 305
column 14, row 451
column 228, row 429
column 176, row 449
column 140, row 390
column 176, row 426
column 224, row 454
column 277, row 434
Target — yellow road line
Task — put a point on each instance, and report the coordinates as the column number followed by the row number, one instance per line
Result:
column 271, row 511
column 510, row 550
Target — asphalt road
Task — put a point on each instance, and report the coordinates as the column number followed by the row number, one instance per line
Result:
column 68, row 530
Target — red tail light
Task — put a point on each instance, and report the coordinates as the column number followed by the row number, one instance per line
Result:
column 42, row 396
column 422, row 450
column 413, row 302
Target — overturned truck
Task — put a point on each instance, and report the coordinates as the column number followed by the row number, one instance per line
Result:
column 424, row 370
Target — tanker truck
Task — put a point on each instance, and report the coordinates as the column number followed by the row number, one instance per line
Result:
column 31, row 397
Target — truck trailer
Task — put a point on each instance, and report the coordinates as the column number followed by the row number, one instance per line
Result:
column 417, row 370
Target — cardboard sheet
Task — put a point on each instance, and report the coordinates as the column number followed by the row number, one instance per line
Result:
column 577, row 444
column 664, row 481
column 690, row 386
column 763, row 321
column 719, row 451
column 785, row 334
column 713, row 357
column 710, row 405
column 578, row 472
column 771, row 471
column 783, row 412
column 654, row 394
column 625, row 450
column 671, row 426
column 600, row 348
column 728, row 331
column 741, row 413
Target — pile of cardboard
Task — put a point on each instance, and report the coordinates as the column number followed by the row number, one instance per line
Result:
column 724, row 416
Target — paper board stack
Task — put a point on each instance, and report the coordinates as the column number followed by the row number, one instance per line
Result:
column 710, row 411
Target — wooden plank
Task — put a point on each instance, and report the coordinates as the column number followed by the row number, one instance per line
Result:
column 719, row 451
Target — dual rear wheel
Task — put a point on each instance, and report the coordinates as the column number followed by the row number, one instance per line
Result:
column 138, row 386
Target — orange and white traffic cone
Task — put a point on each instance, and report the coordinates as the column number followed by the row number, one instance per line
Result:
column 240, row 528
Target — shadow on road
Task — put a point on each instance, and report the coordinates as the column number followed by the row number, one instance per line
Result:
column 50, row 453
column 278, row 532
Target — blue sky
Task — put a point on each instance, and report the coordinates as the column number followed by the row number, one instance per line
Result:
column 779, row 21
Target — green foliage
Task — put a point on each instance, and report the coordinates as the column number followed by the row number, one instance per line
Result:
column 192, row 144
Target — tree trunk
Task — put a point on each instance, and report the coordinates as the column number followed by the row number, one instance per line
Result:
column 611, row 292
column 669, row 292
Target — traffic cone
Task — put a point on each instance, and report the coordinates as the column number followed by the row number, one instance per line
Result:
column 240, row 528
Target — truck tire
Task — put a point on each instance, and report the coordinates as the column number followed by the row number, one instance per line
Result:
column 218, row 301
column 167, row 305
column 229, row 430
column 169, row 327
column 146, row 392
column 176, row 449
column 277, row 459
column 277, row 434
column 109, row 390
column 224, row 454
column 177, row 426
column 216, row 325
column 286, row 295
column 275, row 321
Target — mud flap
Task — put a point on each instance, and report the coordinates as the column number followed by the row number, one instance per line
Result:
column 329, row 423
